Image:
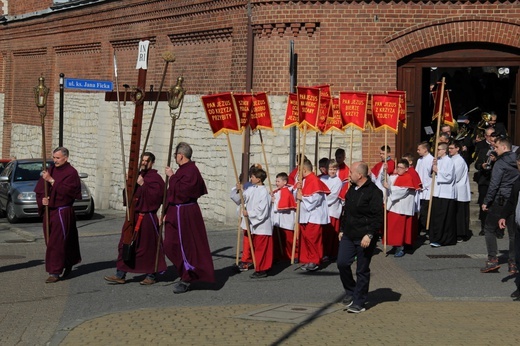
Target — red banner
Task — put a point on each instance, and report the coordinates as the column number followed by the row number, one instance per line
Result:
column 243, row 102
column 385, row 111
column 447, row 114
column 308, row 106
column 334, row 120
column 260, row 113
column 221, row 113
column 324, row 89
column 353, row 109
column 291, row 112
column 324, row 112
column 402, row 106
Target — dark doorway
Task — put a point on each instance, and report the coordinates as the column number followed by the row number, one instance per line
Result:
column 481, row 78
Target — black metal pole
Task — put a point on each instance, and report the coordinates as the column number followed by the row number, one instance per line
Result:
column 293, row 66
column 62, row 78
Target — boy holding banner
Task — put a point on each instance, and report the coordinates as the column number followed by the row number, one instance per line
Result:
column 314, row 215
column 258, row 212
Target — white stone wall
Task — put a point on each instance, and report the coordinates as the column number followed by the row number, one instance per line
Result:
column 26, row 141
column 91, row 133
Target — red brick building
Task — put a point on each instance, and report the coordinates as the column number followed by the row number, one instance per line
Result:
column 371, row 46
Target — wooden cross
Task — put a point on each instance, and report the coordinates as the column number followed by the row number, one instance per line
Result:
column 139, row 96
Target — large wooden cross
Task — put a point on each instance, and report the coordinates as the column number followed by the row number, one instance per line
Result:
column 139, row 96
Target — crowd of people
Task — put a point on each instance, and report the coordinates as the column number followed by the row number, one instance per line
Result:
column 310, row 218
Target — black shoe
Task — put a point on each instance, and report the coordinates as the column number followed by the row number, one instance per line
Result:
column 258, row 275
column 516, row 294
column 347, row 301
column 66, row 272
column 181, row 287
column 356, row 309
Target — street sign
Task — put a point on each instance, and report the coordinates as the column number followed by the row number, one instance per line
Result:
column 88, row 84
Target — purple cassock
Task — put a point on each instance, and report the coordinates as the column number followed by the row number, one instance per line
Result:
column 148, row 199
column 185, row 239
column 63, row 244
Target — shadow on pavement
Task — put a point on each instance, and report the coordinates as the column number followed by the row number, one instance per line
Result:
column 382, row 295
column 311, row 318
column 83, row 269
column 18, row 266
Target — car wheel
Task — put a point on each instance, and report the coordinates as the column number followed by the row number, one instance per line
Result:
column 11, row 215
column 91, row 212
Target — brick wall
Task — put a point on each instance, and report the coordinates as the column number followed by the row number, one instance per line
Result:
column 351, row 45
column 19, row 7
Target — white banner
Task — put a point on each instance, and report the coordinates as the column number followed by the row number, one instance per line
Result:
column 142, row 58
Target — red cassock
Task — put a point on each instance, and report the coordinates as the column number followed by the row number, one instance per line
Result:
column 390, row 167
column 311, row 246
column 148, row 199
column 401, row 230
column 343, row 174
column 263, row 246
column 185, row 239
column 292, row 176
column 281, row 236
column 63, row 243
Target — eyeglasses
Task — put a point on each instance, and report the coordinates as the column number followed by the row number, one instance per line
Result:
column 399, row 167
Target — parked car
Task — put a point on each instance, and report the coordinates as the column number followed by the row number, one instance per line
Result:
column 3, row 163
column 17, row 196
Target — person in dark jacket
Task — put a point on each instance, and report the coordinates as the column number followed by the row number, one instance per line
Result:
column 503, row 176
column 513, row 208
column 361, row 219
column 484, row 161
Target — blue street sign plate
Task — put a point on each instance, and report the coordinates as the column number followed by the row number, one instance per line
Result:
column 88, row 84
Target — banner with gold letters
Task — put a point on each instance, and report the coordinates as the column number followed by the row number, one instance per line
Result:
column 325, row 109
column 292, row 117
column 308, row 106
column 243, row 102
column 447, row 112
column 385, row 112
column 402, row 106
column 334, row 120
column 221, row 113
column 353, row 109
column 260, row 113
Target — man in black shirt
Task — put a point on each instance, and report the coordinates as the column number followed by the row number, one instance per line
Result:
column 361, row 220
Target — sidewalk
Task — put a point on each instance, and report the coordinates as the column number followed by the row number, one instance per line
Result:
column 388, row 323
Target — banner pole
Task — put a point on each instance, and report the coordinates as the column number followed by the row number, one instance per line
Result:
column 300, row 178
column 246, row 219
column 437, row 133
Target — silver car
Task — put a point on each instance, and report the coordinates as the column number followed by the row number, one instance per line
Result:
column 17, row 196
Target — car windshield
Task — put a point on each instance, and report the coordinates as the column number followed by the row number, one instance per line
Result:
column 28, row 171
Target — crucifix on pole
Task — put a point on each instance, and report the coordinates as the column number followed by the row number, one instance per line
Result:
column 138, row 96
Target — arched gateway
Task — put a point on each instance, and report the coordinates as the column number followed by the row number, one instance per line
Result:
column 479, row 57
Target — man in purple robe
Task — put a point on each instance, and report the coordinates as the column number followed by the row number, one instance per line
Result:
column 185, row 238
column 149, row 254
column 63, row 187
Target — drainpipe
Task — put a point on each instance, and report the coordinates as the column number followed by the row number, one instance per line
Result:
column 293, row 63
column 249, row 86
